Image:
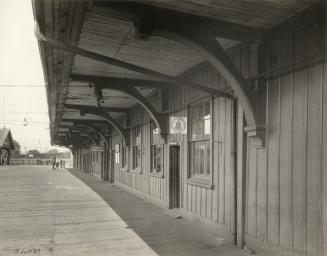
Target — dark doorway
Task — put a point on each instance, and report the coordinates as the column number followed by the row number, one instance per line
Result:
column 112, row 167
column 174, row 177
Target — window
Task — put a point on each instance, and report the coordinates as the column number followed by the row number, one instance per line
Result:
column 200, row 141
column 136, row 143
column 156, row 150
column 117, row 153
column 124, row 157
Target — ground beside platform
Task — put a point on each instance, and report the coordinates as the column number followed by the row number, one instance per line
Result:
column 45, row 212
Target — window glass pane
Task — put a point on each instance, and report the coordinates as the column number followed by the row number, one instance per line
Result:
column 201, row 167
column 207, row 109
column 138, row 156
column 196, row 166
column 196, row 149
column 208, row 166
column 200, row 129
column 200, row 122
column 193, row 122
column 207, row 123
column 202, row 149
column 159, row 151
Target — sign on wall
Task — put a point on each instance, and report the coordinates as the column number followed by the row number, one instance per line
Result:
column 97, row 149
column 178, row 125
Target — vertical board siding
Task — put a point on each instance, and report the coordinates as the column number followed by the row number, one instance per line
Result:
column 286, row 180
column 324, row 158
column 217, row 204
column 285, row 152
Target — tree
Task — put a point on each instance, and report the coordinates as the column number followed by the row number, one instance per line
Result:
column 53, row 152
column 33, row 152
column 16, row 152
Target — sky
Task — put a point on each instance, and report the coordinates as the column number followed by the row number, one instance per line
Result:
column 20, row 70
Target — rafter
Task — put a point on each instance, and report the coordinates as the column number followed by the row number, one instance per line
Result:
column 122, row 131
column 86, row 132
column 85, row 107
column 97, row 130
column 129, row 81
column 116, row 62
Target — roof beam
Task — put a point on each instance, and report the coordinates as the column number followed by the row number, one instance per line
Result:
column 87, row 121
column 107, row 109
column 77, row 140
column 107, row 117
column 130, row 81
column 99, row 112
column 116, row 62
column 84, row 131
column 97, row 130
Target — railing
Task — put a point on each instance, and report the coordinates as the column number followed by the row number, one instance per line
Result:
column 30, row 161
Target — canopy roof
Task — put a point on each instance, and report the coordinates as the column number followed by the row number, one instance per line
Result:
column 110, row 28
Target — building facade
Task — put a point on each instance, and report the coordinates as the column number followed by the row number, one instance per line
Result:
column 233, row 136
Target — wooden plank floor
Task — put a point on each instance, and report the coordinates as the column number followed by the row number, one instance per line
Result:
column 45, row 212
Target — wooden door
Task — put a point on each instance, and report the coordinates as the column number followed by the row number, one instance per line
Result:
column 174, row 177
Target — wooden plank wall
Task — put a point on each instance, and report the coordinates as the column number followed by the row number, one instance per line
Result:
column 284, row 196
column 144, row 182
column 285, row 204
column 217, row 204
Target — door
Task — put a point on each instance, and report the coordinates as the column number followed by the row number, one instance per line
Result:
column 174, row 177
column 112, row 167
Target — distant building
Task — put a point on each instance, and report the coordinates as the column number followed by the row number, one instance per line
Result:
column 6, row 144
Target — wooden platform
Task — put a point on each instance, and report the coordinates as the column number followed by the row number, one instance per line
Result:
column 45, row 212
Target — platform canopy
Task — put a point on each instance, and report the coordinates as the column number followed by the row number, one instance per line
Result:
column 109, row 55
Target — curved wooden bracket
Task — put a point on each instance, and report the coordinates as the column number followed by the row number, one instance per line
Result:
column 88, row 134
column 78, row 141
column 205, row 43
column 122, row 131
column 105, row 139
column 161, row 120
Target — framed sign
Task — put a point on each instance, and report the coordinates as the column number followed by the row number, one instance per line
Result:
column 97, row 149
column 178, row 125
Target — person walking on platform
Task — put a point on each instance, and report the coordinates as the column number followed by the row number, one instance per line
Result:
column 53, row 163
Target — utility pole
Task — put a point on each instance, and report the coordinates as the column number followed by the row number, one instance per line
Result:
column 25, row 155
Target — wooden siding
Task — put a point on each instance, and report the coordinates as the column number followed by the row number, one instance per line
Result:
column 285, row 182
column 284, row 186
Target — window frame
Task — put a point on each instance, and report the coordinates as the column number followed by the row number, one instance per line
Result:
column 138, row 146
column 156, row 143
column 124, row 156
column 117, row 154
column 205, row 179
